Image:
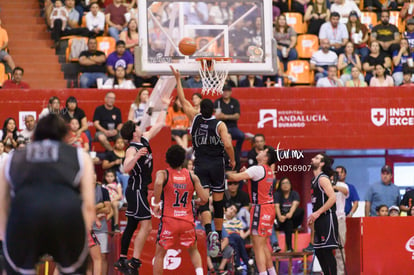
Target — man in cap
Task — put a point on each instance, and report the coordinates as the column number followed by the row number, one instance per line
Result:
column 384, row 192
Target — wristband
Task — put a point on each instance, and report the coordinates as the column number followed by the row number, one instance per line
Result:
column 155, row 204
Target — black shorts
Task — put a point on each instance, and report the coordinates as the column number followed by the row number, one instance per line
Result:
column 179, row 132
column 326, row 231
column 138, row 206
column 211, row 173
column 52, row 224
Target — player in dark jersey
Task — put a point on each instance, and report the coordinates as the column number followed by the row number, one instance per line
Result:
column 263, row 211
column 47, row 202
column 138, row 163
column 323, row 216
column 210, row 139
column 175, row 187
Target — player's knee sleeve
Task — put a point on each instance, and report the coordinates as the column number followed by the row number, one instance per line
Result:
column 204, row 207
column 218, row 209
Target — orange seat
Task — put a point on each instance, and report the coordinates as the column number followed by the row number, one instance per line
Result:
column 83, row 25
column 306, row 45
column 68, row 49
column 300, row 70
column 369, row 18
column 295, row 20
column 396, row 20
column 3, row 75
column 106, row 44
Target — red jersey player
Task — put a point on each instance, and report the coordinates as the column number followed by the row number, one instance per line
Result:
column 263, row 210
column 175, row 187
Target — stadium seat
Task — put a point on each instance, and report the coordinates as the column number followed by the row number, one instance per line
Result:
column 300, row 70
column 369, row 19
column 83, row 25
column 396, row 20
column 306, row 45
column 3, row 75
column 106, row 44
column 295, row 20
column 68, row 49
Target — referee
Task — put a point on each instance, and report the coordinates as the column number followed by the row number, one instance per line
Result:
column 47, row 202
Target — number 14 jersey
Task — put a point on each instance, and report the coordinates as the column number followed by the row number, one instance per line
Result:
column 177, row 195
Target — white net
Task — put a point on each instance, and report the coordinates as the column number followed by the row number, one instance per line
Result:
column 213, row 73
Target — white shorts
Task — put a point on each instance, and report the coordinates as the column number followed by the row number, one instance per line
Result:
column 103, row 241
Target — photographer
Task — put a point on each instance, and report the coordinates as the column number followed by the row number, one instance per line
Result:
column 323, row 216
column 342, row 193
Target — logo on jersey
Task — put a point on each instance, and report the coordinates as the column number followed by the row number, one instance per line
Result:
column 409, row 246
column 172, row 260
column 266, row 217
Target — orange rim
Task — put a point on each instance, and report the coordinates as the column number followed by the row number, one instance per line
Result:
column 210, row 59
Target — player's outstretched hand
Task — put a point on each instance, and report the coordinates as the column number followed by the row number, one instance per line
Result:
column 166, row 100
column 175, row 72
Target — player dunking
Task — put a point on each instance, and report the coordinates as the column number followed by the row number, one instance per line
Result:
column 210, row 139
column 138, row 163
column 263, row 211
column 47, row 202
column 175, row 187
column 323, row 216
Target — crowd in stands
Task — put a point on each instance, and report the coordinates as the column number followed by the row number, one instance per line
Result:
column 382, row 198
column 345, row 38
column 343, row 59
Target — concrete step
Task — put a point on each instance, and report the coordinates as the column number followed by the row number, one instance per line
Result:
column 32, row 36
column 19, row 50
column 22, row 20
column 5, row 5
column 46, row 84
column 22, row 28
column 44, row 68
column 35, row 43
column 40, row 58
column 11, row 12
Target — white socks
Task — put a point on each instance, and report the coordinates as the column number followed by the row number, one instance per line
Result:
column 199, row 271
column 271, row 271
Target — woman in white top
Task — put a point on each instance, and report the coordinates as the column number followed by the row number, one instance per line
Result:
column 53, row 107
column 119, row 81
column 137, row 109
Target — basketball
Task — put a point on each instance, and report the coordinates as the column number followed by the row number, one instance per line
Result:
column 187, row 46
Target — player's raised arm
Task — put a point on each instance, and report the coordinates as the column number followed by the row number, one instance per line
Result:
column 156, row 128
column 228, row 146
column 188, row 108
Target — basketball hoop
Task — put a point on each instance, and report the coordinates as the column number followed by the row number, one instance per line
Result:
column 213, row 73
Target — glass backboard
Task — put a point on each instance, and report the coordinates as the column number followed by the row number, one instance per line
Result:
column 236, row 29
